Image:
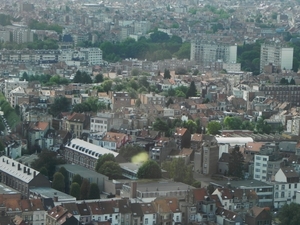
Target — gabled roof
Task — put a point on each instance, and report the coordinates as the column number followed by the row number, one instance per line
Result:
column 38, row 126
column 199, row 194
column 83, row 209
column 196, row 137
column 147, row 208
column 226, row 213
column 76, row 117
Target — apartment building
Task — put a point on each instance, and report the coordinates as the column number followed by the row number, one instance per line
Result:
column 206, row 53
column 282, row 93
column 15, row 95
column 285, row 186
column 119, row 99
column 267, row 162
column 277, row 55
column 22, row 35
column 92, row 55
column 76, row 123
column 4, row 36
column 152, row 98
column 210, row 155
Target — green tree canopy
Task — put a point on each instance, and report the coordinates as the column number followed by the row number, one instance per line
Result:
column 236, row 163
column 111, row 169
column 49, row 160
column 192, row 91
column 61, row 104
column 128, row 151
column 179, row 171
column 84, row 189
column 104, row 158
column 77, row 179
column 214, row 127
column 99, row 78
column 289, row 214
column 149, row 170
column 75, row 190
column 160, row 125
column 82, row 77
column 232, row 123
column 94, row 192
column 167, row 74
column 44, row 171
column 64, row 172
column 58, row 182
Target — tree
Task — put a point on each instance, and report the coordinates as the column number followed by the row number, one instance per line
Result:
column 75, row 190
column 159, row 37
column 190, row 125
column 178, row 171
column 192, row 91
column 64, row 172
column 25, row 76
column 262, row 127
column 210, row 189
column 104, row 158
column 99, row 78
column 77, row 179
column 232, row 123
column 58, row 182
column 214, row 127
column 84, row 189
column 128, row 151
column 180, row 71
column 61, row 104
column 107, row 84
column 111, row 169
column 196, row 184
column 160, row 125
column 169, row 102
column 135, row 72
column 149, row 170
column 49, row 160
column 44, row 171
column 292, row 82
column 289, row 214
column 236, row 163
column 167, row 74
column 284, row 81
column 94, row 192
column 82, row 77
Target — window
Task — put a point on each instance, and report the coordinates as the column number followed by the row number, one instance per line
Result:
column 258, row 158
column 264, row 159
column 282, row 194
column 146, row 221
column 295, row 185
column 177, row 218
column 282, row 187
column 276, row 194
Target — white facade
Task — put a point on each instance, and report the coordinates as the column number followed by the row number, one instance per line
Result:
column 4, row 36
column 232, row 67
column 284, row 193
column 39, row 217
column 12, row 84
column 99, row 124
column 208, row 53
column 92, row 55
column 260, row 167
column 14, row 95
column 149, row 219
column 277, row 55
column 168, row 112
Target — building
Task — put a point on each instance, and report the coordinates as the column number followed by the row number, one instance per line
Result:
column 20, row 177
column 90, row 175
column 92, row 55
column 282, row 93
column 277, row 55
column 182, row 137
column 152, row 99
column 285, row 186
column 37, row 134
column 206, row 53
column 83, row 153
column 12, row 84
column 76, row 123
column 119, row 99
column 22, row 36
column 258, row 215
column 210, row 155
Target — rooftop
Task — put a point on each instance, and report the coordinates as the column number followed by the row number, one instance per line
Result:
column 88, row 149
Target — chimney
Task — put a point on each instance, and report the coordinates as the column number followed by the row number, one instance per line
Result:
column 133, row 189
column 7, row 161
column 34, row 173
column 28, row 171
column 19, row 166
column 3, row 160
column 13, row 164
column 55, row 198
column 24, row 169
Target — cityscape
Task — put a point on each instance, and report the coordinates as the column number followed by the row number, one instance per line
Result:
column 137, row 112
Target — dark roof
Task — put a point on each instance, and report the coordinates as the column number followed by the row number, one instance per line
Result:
column 289, row 172
column 72, row 208
column 71, row 221
column 123, row 206
column 226, row 213
column 48, row 203
column 136, row 210
column 83, row 209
